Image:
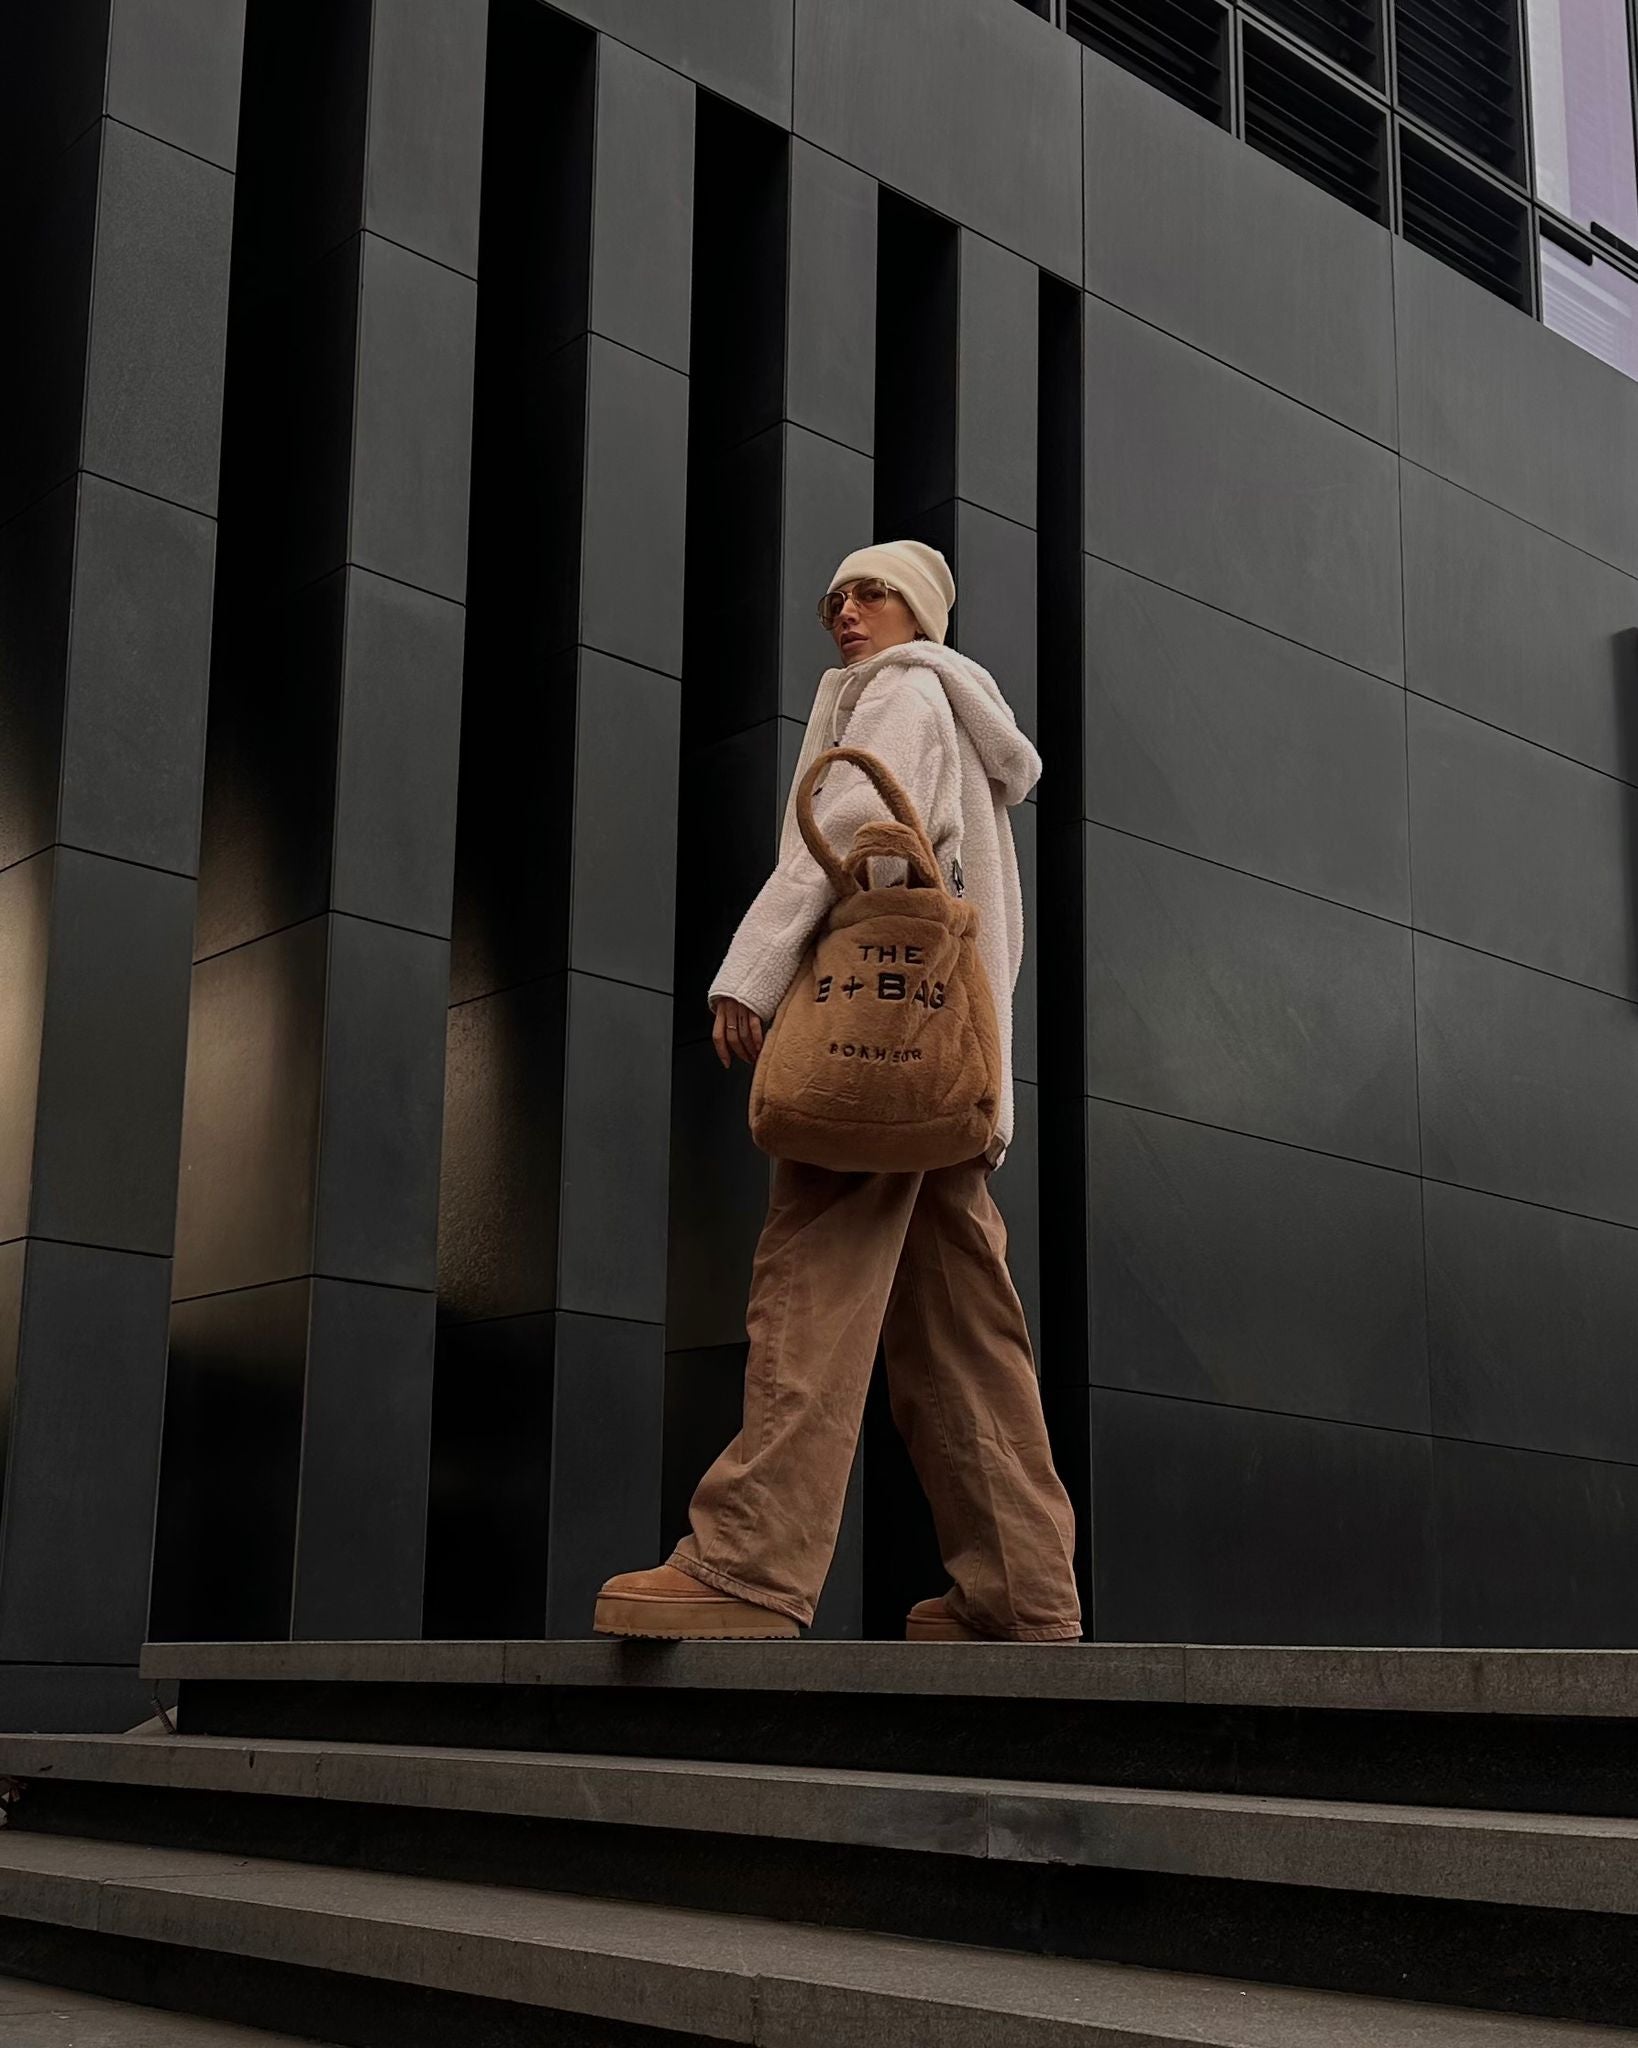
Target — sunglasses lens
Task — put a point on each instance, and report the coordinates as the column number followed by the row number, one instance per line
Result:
column 869, row 594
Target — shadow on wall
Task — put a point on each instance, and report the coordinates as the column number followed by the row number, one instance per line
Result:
column 1626, row 719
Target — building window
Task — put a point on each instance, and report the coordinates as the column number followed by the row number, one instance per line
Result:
column 1179, row 46
column 1458, row 70
column 1581, row 99
column 1471, row 222
column 1349, row 32
column 1592, row 303
column 1314, row 124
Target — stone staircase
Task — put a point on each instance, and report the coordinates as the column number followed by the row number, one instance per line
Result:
column 812, row 1845
column 42, row 2016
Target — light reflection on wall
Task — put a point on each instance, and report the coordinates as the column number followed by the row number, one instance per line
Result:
column 1591, row 304
column 25, row 909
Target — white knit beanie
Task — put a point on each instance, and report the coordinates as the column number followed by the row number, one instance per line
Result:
column 919, row 573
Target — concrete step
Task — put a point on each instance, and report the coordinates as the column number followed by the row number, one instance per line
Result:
column 1576, row 1683
column 675, row 1972
column 42, row 2016
column 1559, row 1863
column 1507, row 1912
column 1518, row 1731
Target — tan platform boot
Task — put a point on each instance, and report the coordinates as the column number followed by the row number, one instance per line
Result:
column 669, row 1604
column 930, row 1621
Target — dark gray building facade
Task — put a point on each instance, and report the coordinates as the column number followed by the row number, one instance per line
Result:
column 429, row 429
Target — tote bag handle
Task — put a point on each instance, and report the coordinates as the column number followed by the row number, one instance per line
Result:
column 905, row 839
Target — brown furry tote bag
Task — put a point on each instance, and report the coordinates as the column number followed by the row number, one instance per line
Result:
column 884, row 1056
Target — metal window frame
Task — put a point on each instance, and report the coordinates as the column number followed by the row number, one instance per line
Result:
column 1546, row 221
column 1375, row 103
column 1255, row 12
column 1430, row 138
column 1521, row 75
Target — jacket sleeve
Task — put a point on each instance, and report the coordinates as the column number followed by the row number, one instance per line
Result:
column 901, row 721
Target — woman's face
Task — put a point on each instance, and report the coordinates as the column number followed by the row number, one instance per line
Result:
column 859, row 633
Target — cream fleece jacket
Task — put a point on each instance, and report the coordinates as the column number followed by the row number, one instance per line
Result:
column 940, row 723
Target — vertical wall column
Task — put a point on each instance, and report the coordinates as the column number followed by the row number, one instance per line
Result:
column 294, row 1484
column 552, row 1262
column 916, row 409
column 780, row 488
column 992, row 529
column 117, row 135
column 1061, row 911
column 957, row 403
column 956, row 426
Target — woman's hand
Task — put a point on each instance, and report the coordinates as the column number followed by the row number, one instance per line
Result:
column 737, row 1033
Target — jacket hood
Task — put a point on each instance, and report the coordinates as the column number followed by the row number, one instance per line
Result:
column 1010, row 761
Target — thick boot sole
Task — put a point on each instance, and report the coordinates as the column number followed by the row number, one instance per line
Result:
column 952, row 1631
column 949, row 1631
column 682, row 1621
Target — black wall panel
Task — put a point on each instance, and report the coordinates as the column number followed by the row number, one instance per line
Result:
column 1059, row 941
column 1231, row 1269
column 1200, row 477
column 1234, row 1001
column 740, row 49
column 233, row 1410
column 1520, row 852
column 1504, row 409
column 170, row 81
column 315, row 1081
column 965, row 105
column 1226, row 1524
column 1512, row 625
column 1529, row 1083
column 553, row 1219
column 1527, row 1544
column 830, row 340
column 1216, row 737
column 116, row 235
column 1305, row 304
column 408, row 553
column 1530, row 1319
column 76, row 1554
column 156, row 303
column 1263, row 573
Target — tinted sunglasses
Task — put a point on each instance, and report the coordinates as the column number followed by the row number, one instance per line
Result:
column 870, row 593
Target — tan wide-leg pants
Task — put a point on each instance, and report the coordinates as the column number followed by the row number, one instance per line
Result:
column 921, row 1260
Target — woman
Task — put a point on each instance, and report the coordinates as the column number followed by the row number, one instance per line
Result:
column 918, row 1259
